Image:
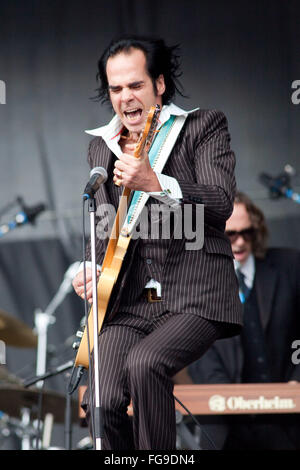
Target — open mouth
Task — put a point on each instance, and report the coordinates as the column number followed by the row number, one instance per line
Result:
column 133, row 114
column 239, row 253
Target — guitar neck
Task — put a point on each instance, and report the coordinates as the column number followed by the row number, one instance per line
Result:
column 120, row 216
column 118, row 223
column 114, row 256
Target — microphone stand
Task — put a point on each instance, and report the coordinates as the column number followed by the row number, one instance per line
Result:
column 68, row 412
column 98, row 427
column 98, row 176
column 46, row 318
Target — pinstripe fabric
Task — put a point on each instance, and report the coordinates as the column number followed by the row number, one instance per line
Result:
column 200, row 282
column 138, row 358
column 142, row 345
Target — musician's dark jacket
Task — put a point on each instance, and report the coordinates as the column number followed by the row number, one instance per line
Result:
column 200, row 282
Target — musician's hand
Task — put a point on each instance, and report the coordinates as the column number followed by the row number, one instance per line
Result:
column 135, row 173
column 78, row 284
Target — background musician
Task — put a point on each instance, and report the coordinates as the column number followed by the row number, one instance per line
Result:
column 269, row 281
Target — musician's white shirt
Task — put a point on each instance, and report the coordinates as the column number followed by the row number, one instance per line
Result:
column 111, row 134
column 248, row 269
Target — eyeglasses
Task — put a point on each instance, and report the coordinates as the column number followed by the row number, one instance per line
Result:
column 247, row 234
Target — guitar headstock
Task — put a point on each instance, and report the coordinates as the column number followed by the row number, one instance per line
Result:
column 149, row 130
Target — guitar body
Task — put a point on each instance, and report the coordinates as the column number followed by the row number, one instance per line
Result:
column 115, row 253
column 107, row 280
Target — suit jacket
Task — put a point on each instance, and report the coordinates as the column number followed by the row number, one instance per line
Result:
column 277, row 283
column 200, row 282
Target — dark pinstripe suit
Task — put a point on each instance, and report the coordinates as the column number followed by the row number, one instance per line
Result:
column 143, row 345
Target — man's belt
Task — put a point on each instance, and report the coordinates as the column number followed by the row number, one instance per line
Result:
column 151, row 295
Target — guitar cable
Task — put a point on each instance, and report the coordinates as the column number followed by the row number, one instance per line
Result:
column 197, row 424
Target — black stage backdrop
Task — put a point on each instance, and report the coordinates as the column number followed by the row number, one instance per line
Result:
column 238, row 56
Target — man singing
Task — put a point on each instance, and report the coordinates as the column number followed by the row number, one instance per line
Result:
column 170, row 302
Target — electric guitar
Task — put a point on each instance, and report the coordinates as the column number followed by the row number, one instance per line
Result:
column 116, row 250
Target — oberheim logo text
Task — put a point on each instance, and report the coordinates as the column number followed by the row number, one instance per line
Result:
column 220, row 403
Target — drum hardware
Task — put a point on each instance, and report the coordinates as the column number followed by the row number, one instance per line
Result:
column 19, row 431
column 184, row 437
column 16, row 400
column 25, row 413
column 14, row 332
column 85, row 443
column 44, row 319
column 25, row 430
column 47, row 431
column 7, row 377
column 69, row 405
column 14, row 397
column 7, row 423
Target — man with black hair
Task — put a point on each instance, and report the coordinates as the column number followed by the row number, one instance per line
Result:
column 171, row 302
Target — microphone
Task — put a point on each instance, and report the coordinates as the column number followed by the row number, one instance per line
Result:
column 31, row 212
column 27, row 214
column 98, row 176
column 280, row 185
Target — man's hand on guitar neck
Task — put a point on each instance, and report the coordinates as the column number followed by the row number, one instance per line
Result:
column 78, row 284
column 135, row 173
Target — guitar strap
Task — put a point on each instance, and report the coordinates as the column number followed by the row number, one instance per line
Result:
column 158, row 156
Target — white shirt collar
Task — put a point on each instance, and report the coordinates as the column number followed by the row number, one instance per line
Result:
column 111, row 132
column 248, row 269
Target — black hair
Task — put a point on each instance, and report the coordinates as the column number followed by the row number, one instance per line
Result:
column 160, row 60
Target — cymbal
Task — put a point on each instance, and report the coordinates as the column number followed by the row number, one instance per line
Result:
column 7, row 377
column 14, row 397
column 16, row 333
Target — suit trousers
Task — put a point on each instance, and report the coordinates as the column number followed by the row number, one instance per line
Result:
column 137, row 358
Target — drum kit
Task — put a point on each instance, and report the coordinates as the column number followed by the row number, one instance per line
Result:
column 27, row 409
column 23, row 408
